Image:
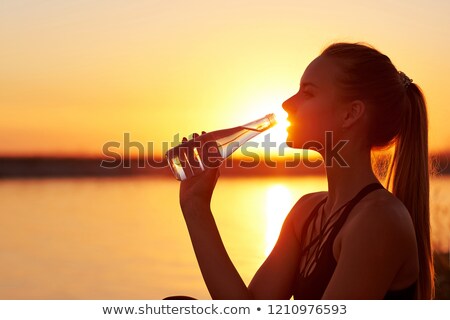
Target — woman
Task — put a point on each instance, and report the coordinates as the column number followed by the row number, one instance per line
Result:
column 358, row 240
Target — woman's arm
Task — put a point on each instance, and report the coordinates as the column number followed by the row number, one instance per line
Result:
column 220, row 275
column 274, row 279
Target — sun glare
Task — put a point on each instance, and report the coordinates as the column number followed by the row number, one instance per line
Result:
column 279, row 133
column 270, row 104
column 278, row 204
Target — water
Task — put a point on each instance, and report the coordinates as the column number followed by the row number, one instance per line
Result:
column 126, row 238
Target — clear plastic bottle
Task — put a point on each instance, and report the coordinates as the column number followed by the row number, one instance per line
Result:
column 210, row 149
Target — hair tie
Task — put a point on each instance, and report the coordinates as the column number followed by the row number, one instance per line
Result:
column 406, row 81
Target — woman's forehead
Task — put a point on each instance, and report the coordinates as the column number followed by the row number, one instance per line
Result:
column 321, row 72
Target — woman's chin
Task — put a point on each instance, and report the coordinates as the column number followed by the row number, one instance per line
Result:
column 290, row 144
column 290, row 140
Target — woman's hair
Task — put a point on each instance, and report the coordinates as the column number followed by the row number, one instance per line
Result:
column 398, row 117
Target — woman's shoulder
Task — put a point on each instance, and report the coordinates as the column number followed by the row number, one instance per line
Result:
column 306, row 203
column 382, row 207
column 378, row 232
column 311, row 198
column 304, row 207
column 381, row 216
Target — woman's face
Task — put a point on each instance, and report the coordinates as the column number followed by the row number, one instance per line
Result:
column 314, row 109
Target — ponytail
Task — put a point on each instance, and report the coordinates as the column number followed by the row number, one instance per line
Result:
column 408, row 180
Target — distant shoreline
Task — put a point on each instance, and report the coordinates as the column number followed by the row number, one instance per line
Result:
column 43, row 167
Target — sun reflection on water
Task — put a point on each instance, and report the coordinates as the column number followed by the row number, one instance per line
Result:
column 278, row 203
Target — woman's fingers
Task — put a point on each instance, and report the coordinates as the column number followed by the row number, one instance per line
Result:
column 194, row 136
column 199, row 188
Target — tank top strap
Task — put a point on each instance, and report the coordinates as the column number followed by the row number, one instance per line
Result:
column 350, row 205
column 317, row 263
column 308, row 221
column 337, row 225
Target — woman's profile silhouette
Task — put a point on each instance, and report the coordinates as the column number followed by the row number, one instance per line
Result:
column 358, row 240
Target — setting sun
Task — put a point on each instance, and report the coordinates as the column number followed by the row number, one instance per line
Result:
column 279, row 132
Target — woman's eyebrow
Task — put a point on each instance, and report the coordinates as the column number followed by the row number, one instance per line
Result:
column 306, row 84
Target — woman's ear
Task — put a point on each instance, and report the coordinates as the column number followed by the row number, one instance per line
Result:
column 353, row 112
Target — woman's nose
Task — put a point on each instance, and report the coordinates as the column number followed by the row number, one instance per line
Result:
column 288, row 104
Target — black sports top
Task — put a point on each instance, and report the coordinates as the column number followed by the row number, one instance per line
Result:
column 319, row 263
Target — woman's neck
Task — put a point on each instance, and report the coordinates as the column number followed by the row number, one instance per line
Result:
column 345, row 181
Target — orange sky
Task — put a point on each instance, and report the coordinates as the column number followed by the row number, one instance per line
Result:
column 77, row 74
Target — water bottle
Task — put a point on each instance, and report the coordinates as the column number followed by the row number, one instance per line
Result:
column 210, row 149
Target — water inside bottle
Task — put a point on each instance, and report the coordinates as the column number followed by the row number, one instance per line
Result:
column 193, row 157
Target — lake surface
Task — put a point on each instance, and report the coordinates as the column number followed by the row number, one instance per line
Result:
column 126, row 238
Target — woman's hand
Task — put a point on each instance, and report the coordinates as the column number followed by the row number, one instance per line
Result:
column 198, row 190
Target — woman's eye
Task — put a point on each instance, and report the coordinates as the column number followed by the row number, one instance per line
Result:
column 306, row 93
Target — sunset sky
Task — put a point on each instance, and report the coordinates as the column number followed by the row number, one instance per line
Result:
column 77, row 74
